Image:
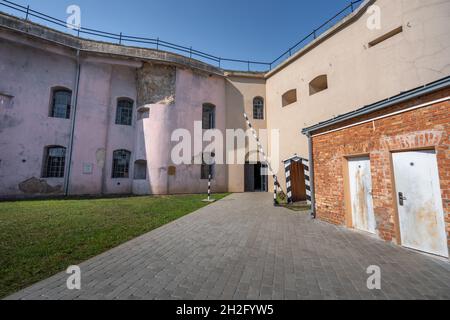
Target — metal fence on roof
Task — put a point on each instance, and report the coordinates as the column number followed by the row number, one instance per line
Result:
column 158, row 44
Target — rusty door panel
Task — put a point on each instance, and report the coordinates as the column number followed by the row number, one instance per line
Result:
column 361, row 194
column 420, row 208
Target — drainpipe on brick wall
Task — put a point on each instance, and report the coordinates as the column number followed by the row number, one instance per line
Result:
column 72, row 129
column 311, row 171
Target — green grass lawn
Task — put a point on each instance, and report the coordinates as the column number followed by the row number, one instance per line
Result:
column 41, row 238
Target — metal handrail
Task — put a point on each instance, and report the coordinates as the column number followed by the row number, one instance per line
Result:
column 187, row 51
column 316, row 32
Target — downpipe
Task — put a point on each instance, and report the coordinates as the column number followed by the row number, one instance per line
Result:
column 72, row 128
column 311, row 171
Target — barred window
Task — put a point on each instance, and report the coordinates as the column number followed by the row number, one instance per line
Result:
column 121, row 164
column 54, row 162
column 209, row 116
column 124, row 113
column 258, row 108
column 61, row 101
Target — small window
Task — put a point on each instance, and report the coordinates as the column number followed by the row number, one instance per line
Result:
column 289, row 97
column 386, row 37
column 54, row 162
column 121, row 164
column 6, row 101
column 143, row 113
column 207, row 169
column 318, row 84
column 140, row 170
column 258, row 108
column 209, row 116
column 124, row 114
column 61, row 104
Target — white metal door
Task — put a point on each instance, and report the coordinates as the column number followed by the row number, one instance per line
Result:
column 361, row 194
column 420, row 209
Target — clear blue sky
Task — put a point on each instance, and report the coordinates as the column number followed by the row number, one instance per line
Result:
column 240, row 29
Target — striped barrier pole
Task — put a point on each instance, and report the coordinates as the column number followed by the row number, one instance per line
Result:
column 209, row 187
column 261, row 150
column 275, row 192
column 307, row 181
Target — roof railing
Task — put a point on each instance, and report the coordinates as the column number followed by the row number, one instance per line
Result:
column 158, row 44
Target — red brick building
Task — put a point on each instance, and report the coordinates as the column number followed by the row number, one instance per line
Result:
column 385, row 169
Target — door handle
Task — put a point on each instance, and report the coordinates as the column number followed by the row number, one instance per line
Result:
column 401, row 198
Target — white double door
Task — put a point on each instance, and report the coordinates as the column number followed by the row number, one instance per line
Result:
column 419, row 201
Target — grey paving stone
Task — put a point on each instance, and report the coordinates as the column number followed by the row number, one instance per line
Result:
column 244, row 248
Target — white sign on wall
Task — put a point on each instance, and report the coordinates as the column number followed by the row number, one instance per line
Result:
column 88, row 168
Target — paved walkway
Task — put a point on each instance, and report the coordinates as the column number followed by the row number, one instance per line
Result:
column 244, row 248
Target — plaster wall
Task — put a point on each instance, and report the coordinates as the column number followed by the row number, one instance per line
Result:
column 181, row 111
column 28, row 75
column 359, row 75
column 240, row 92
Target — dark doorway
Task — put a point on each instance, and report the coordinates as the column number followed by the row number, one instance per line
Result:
column 298, row 181
column 255, row 180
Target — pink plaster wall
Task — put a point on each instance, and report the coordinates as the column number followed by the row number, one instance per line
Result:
column 30, row 71
column 154, row 134
column 28, row 75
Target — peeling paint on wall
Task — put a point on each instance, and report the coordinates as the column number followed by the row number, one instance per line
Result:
column 7, row 121
column 156, row 84
column 413, row 139
column 101, row 158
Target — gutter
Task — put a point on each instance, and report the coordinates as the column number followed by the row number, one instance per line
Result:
column 72, row 128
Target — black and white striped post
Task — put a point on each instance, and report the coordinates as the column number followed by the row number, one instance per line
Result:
column 275, row 191
column 266, row 160
column 209, row 187
column 287, row 168
column 307, row 181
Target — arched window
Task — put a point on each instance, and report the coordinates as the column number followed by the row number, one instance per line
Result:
column 209, row 116
column 61, row 103
column 319, row 84
column 289, row 97
column 124, row 113
column 121, row 164
column 258, row 108
column 54, row 162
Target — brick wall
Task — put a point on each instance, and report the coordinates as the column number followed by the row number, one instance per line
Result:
column 421, row 128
